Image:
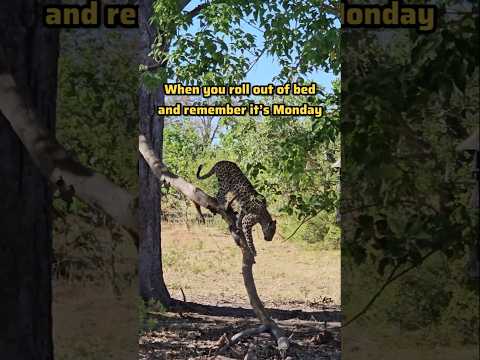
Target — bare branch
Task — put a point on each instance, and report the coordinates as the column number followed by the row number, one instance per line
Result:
column 256, row 60
column 391, row 278
column 214, row 132
column 239, row 336
column 191, row 14
column 56, row 164
column 163, row 174
column 305, row 220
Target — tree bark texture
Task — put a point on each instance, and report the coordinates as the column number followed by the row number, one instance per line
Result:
column 29, row 52
column 152, row 284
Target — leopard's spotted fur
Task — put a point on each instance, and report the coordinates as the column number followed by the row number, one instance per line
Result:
column 234, row 186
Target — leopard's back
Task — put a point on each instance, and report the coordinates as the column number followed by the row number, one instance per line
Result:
column 234, row 184
column 235, row 188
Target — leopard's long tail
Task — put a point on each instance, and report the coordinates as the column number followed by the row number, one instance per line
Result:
column 207, row 175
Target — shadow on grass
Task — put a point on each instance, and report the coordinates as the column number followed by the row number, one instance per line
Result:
column 332, row 314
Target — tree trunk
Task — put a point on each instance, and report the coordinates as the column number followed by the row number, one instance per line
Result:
column 152, row 284
column 30, row 53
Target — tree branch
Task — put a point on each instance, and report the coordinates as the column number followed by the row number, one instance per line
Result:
column 189, row 190
column 59, row 168
column 256, row 60
column 305, row 220
column 191, row 14
column 391, row 278
column 239, row 336
column 214, row 132
column 200, row 197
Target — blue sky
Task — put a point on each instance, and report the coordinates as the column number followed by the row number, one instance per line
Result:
column 267, row 67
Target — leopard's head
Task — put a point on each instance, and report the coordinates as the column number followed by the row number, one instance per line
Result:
column 269, row 230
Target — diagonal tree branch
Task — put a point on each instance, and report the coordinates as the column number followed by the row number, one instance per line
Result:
column 56, row 164
column 391, row 278
column 196, row 10
column 189, row 190
column 305, row 220
column 191, row 14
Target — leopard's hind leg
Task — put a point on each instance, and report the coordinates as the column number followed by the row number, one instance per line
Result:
column 247, row 224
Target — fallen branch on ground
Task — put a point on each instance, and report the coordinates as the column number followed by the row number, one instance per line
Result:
column 201, row 198
column 239, row 336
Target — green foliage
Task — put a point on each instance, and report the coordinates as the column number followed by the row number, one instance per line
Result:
column 97, row 104
column 405, row 188
column 285, row 159
column 183, row 147
column 412, row 197
column 433, row 302
column 96, row 122
column 320, row 232
column 218, row 43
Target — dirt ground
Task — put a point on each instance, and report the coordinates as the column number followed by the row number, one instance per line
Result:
column 300, row 287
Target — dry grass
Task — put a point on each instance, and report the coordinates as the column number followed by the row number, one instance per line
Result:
column 90, row 322
column 364, row 344
column 206, row 264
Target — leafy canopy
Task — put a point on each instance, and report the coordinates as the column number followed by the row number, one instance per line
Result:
column 217, row 42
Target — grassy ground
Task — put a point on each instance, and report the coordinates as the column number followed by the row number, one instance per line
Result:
column 92, row 318
column 301, row 288
column 206, row 264
column 365, row 343
column 92, row 323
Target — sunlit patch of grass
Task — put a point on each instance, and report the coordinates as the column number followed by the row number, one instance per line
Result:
column 210, row 264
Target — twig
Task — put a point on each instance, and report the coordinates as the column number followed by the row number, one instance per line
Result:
column 253, row 26
column 305, row 220
column 214, row 132
column 391, row 278
column 256, row 60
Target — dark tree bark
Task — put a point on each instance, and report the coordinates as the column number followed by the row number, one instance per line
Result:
column 30, row 53
column 152, row 284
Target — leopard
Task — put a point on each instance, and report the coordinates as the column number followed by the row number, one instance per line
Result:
column 234, row 186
